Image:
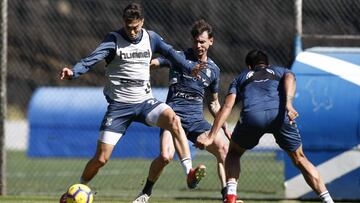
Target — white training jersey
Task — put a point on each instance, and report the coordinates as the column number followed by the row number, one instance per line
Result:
column 128, row 74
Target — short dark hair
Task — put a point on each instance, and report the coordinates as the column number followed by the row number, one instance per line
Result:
column 201, row 26
column 133, row 11
column 256, row 57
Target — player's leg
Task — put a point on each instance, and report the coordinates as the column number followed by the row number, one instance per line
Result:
column 167, row 151
column 116, row 120
column 161, row 115
column 219, row 149
column 288, row 138
column 170, row 121
column 232, row 169
column 244, row 137
column 310, row 173
column 101, row 157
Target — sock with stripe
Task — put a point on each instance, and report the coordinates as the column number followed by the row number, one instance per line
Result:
column 186, row 164
column 325, row 197
column 231, row 191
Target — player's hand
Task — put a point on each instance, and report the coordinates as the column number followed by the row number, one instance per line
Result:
column 203, row 141
column 195, row 72
column 154, row 64
column 291, row 113
column 66, row 73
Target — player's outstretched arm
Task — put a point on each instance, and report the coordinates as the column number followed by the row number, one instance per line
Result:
column 220, row 119
column 222, row 115
column 177, row 58
column 214, row 107
column 106, row 50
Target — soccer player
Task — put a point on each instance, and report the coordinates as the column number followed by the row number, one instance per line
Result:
column 266, row 93
column 185, row 96
column 128, row 53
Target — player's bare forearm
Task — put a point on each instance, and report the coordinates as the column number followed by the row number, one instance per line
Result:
column 290, row 89
column 214, row 105
column 222, row 115
column 219, row 122
column 214, row 108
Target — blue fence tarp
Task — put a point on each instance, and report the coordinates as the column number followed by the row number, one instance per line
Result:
column 64, row 122
column 328, row 100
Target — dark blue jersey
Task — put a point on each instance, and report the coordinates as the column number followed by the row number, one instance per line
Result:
column 186, row 93
column 259, row 94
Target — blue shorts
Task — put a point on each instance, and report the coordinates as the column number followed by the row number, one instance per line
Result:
column 192, row 121
column 194, row 128
column 119, row 115
column 254, row 125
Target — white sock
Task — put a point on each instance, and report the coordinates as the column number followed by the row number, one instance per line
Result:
column 325, row 197
column 82, row 181
column 231, row 187
column 187, row 165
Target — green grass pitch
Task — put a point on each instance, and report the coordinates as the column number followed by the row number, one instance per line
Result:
column 45, row 179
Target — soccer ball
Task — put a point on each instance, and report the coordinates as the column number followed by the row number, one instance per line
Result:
column 78, row 193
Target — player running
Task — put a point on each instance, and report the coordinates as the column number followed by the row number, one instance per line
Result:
column 185, row 96
column 128, row 53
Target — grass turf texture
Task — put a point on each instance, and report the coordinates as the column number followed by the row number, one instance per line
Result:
column 262, row 177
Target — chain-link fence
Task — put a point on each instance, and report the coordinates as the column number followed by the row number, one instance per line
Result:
column 44, row 35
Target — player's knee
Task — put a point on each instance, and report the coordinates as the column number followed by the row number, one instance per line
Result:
column 166, row 158
column 100, row 161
